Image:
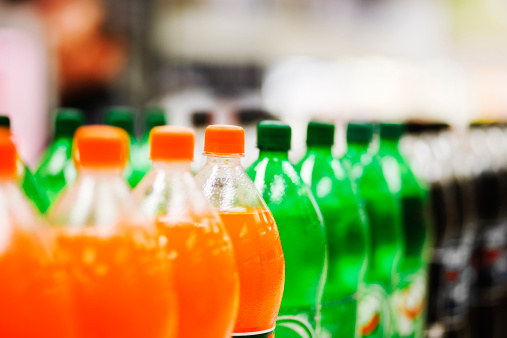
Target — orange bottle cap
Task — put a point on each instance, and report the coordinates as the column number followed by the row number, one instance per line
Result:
column 172, row 143
column 101, row 147
column 8, row 154
column 224, row 139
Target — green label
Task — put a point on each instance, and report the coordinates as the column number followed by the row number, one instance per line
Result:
column 373, row 312
column 409, row 303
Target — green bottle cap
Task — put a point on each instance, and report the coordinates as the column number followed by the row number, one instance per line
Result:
column 5, row 121
column 273, row 135
column 359, row 132
column 122, row 117
column 67, row 121
column 320, row 134
column 154, row 117
column 391, row 131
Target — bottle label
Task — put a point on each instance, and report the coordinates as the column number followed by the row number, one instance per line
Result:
column 409, row 303
column 257, row 334
column 491, row 257
column 373, row 312
column 458, row 276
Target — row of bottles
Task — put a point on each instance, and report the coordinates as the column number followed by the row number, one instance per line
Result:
column 325, row 248
column 466, row 170
column 56, row 169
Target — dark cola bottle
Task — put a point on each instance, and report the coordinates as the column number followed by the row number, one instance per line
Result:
column 490, row 254
column 433, row 151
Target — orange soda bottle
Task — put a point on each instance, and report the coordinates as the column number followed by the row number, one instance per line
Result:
column 34, row 298
column 205, row 272
column 252, row 229
column 120, row 279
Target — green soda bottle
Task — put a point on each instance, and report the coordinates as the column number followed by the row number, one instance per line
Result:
column 346, row 227
column 141, row 164
column 410, row 295
column 301, row 229
column 123, row 117
column 56, row 169
column 25, row 178
column 385, row 245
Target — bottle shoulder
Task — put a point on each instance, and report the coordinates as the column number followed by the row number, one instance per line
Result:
column 399, row 176
column 228, row 187
column 15, row 210
column 96, row 201
column 175, row 195
column 283, row 189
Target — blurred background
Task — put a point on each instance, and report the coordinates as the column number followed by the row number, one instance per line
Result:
column 242, row 61
column 232, row 61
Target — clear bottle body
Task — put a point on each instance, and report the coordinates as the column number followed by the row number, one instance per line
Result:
column 205, row 272
column 34, row 289
column 120, row 280
column 255, row 239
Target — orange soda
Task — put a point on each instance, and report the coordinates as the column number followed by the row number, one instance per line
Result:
column 120, row 278
column 252, row 229
column 205, row 272
column 33, row 293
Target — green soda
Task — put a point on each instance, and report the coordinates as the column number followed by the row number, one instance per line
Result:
column 301, row 229
column 385, row 244
column 141, row 164
column 123, row 117
column 25, row 178
column 410, row 296
column 56, row 169
column 346, row 227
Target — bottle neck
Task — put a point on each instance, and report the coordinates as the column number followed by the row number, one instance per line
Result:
column 166, row 165
column 390, row 145
column 63, row 137
column 357, row 147
column 101, row 171
column 320, row 150
column 218, row 159
column 269, row 153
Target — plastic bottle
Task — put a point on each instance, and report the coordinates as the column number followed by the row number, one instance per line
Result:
column 34, row 296
column 120, row 278
column 346, row 227
column 301, row 228
column 449, row 171
column 25, row 178
column 411, row 292
column 141, row 164
column 206, row 277
column 251, row 227
column 385, row 246
column 490, row 256
column 123, row 117
column 56, row 169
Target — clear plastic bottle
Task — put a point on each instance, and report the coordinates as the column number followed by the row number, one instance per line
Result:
column 252, row 229
column 205, row 272
column 120, row 279
column 33, row 289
